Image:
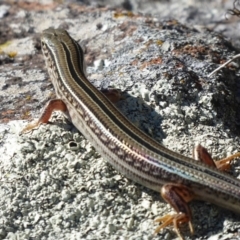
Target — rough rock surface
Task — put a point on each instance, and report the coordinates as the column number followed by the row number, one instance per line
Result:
column 53, row 183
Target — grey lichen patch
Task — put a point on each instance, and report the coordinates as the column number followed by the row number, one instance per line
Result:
column 56, row 189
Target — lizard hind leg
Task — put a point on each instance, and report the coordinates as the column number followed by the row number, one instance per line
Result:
column 201, row 154
column 178, row 196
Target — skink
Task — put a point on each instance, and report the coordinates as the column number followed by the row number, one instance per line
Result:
column 180, row 179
